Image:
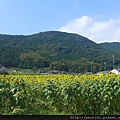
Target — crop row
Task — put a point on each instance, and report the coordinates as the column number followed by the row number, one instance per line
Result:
column 60, row 94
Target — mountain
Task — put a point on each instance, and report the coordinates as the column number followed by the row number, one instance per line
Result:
column 56, row 50
column 114, row 46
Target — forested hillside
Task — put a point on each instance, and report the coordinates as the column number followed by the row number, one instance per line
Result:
column 115, row 46
column 56, row 50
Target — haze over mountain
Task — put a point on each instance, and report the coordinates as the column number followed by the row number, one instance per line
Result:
column 57, row 50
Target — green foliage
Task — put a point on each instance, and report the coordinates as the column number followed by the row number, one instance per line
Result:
column 115, row 46
column 50, row 48
column 29, row 55
column 60, row 94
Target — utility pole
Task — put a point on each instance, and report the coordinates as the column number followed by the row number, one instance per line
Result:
column 113, row 61
column 105, row 66
column 118, row 68
column 91, row 67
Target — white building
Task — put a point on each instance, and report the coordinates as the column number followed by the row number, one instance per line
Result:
column 115, row 71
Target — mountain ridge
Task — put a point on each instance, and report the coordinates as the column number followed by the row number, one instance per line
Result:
column 113, row 46
column 50, row 48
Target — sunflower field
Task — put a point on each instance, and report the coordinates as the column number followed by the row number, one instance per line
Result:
column 60, row 94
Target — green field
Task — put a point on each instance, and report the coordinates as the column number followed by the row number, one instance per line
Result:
column 60, row 94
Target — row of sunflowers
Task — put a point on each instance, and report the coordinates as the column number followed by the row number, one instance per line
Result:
column 60, row 94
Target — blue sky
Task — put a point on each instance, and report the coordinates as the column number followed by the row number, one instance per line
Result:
column 98, row 20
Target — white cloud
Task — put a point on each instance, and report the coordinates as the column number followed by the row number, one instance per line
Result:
column 94, row 29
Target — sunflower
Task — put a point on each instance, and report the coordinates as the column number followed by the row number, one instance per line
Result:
column 87, row 86
column 26, row 88
column 3, row 89
column 91, row 90
column 17, row 94
column 16, row 110
column 22, row 91
column 102, row 81
column 12, row 80
column 20, row 81
column 12, row 107
column 64, row 86
column 4, row 76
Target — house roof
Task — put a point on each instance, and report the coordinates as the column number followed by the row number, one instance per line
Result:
column 115, row 71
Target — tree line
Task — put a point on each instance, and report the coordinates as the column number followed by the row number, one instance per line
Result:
column 56, row 50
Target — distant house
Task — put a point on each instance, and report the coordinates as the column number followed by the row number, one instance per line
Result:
column 104, row 72
column 3, row 70
column 41, row 71
column 115, row 71
column 112, row 71
column 53, row 72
